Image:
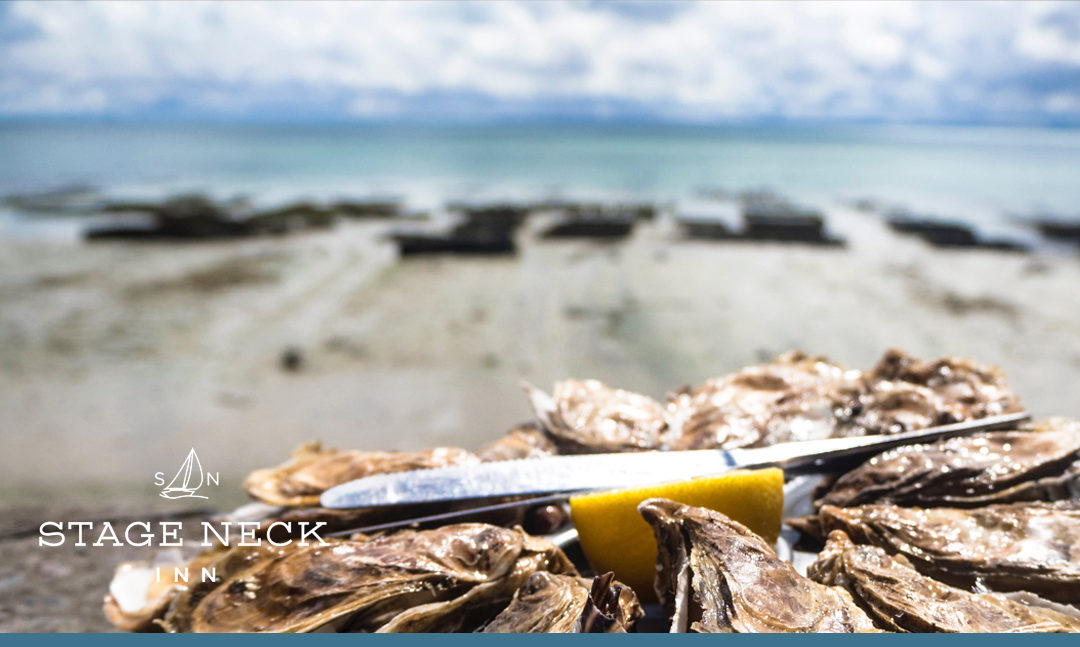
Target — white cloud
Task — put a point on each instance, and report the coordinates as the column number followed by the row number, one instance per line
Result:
column 697, row 61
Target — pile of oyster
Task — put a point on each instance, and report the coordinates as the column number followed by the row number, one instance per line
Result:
column 971, row 534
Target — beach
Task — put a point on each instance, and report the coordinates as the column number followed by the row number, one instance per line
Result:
column 118, row 358
column 276, row 318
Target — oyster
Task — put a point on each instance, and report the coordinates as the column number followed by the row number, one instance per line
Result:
column 902, row 393
column 901, row 599
column 224, row 562
column 524, row 441
column 791, row 398
column 549, row 603
column 714, row 575
column 1006, row 547
column 585, row 416
column 140, row 594
column 312, row 470
column 137, row 599
column 794, row 397
column 448, row 579
column 1001, row 466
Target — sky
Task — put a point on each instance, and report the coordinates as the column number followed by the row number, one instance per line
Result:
column 961, row 62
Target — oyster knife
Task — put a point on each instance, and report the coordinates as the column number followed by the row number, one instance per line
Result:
column 584, row 472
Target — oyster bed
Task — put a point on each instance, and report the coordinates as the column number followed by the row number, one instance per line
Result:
column 979, row 533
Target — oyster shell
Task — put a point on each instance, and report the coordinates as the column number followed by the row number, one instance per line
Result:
column 312, row 470
column 141, row 593
column 1038, row 464
column 448, row 579
column 524, row 441
column 715, row 575
column 791, row 398
column 550, row 603
column 902, row 393
column 1007, row 547
column 901, row 599
column 585, row 416
column 226, row 562
column 137, row 599
column 794, row 397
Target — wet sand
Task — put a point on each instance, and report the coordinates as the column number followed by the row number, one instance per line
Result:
column 116, row 358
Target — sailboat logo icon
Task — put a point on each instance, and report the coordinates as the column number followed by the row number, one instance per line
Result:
column 189, row 478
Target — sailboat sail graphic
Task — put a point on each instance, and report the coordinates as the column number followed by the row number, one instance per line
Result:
column 187, row 480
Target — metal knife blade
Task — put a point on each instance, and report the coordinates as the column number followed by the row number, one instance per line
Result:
column 577, row 473
column 529, row 476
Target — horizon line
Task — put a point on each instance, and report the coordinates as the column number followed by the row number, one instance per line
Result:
column 413, row 121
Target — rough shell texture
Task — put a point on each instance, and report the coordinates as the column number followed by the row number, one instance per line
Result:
column 901, row 599
column 525, row 441
column 143, row 605
column 449, row 579
column 791, row 398
column 312, row 470
column 1002, row 466
column 549, row 603
column 714, row 575
column 585, row 416
column 794, row 397
column 902, row 393
column 1008, row 547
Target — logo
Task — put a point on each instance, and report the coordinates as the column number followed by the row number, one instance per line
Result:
column 185, row 484
column 189, row 478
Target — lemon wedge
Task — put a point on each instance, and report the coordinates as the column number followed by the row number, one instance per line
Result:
column 616, row 538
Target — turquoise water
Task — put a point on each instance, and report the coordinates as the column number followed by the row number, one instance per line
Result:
column 984, row 170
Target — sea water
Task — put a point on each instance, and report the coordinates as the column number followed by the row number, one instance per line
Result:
column 968, row 173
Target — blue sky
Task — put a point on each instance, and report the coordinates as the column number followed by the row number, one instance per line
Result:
column 1002, row 63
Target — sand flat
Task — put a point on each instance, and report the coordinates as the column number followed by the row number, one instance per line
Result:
column 116, row 358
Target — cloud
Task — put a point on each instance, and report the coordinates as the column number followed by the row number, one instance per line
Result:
column 1008, row 62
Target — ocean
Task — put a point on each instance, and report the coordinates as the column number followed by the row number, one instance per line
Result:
column 974, row 174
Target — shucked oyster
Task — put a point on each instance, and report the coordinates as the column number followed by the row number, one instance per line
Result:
column 791, row 398
column 313, row 470
column 1000, row 466
column 715, row 575
column 549, row 603
column 1007, row 547
column 901, row 599
column 449, row 579
column 585, row 416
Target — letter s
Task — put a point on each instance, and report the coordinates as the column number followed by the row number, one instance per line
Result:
column 55, row 533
